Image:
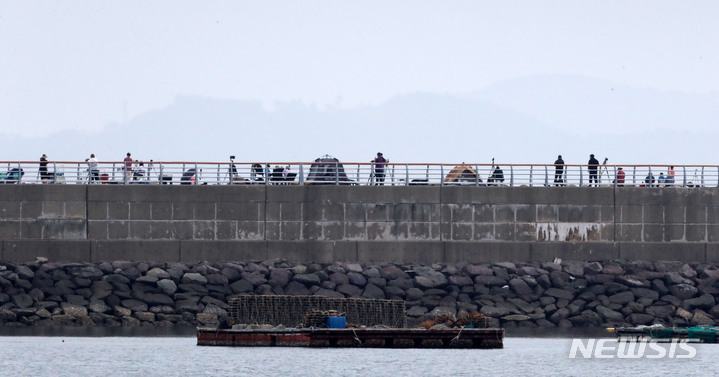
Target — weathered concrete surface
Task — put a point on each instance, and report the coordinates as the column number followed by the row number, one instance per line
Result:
column 367, row 224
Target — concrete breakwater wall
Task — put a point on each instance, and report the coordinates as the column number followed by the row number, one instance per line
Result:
column 368, row 224
column 570, row 294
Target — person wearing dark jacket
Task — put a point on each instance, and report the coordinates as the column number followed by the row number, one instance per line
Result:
column 559, row 171
column 497, row 176
column 379, row 165
column 593, row 168
column 44, row 175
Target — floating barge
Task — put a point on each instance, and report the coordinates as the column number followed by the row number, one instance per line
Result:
column 696, row 334
column 484, row 338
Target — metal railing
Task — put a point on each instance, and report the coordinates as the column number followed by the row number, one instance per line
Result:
column 356, row 173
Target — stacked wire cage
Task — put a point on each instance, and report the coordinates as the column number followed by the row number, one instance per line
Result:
column 291, row 310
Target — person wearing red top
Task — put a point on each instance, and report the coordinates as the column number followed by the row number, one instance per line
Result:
column 620, row 177
column 128, row 167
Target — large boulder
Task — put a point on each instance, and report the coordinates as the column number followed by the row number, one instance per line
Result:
column 640, row 319
column 373, row 291
column 430, row 279
column 279, row 277
column 560, row 293
column 520, row 287
column 705, row 301
column 22, row 300
column 622, row 297
column 701, row 318
column 307, row 279
column 392, row 272
column 357, row 279
column 683, row 291
column 167, row 285
column 193, row 278
column 661, row 311
column 609, row 315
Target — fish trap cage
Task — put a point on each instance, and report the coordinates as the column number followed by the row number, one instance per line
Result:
column 292, row 310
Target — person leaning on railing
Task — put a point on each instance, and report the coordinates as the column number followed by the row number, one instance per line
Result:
column 92, row 168
column 379, row 163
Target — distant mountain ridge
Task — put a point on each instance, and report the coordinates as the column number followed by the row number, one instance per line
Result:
column 527, row 120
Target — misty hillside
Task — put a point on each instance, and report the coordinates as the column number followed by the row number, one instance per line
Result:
column 519, row 121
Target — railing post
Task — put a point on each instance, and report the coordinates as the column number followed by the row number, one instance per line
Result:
column 531, row 170
column 441, row 174
column 614, row 169
column 546, row 175
column 197, row 174
column 511, row 175
column 301, row 181
column 337, row 173
column 406, row 174
column 581, row 176
column 54, row 172
column 684, row 173
column 702, row 176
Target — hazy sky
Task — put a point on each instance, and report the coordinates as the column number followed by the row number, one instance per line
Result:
column 84, row 64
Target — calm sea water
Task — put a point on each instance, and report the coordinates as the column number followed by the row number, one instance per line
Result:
column 180, row 356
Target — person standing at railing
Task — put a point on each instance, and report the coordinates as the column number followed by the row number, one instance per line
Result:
column 559, row 171
column 497, row 176
column 127, row 167
column 593, row 170
column 669, row 180
column 379, row 165
column 256, row 173
column 43, row 168
column 92, row 168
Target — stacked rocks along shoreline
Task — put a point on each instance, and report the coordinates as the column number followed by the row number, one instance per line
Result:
column 570, row 294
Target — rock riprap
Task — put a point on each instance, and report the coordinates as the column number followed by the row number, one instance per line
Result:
column 567, row 294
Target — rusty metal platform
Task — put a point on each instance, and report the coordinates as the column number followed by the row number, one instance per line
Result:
column 486, row 338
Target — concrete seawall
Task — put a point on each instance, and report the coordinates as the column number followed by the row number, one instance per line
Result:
column 401, row 224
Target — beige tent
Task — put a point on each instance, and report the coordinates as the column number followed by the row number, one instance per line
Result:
column 462, row 174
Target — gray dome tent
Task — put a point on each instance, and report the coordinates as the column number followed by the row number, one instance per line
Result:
column 327, row 170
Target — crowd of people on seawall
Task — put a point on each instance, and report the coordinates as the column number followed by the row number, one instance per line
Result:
column 596, row 170
column 378, row 171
